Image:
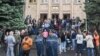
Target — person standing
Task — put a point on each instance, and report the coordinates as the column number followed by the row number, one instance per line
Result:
column 17, row 44
column 39, row 44
column 6, row 34
column 26, row 45
column 96, row 43
column 79, row 39
column 52, row 44
column 90, row 46
column 22, row 34
column 73, row 37
column 68, row 40
column 46, row 24
column 63, row 43
column 10, row 41
column 84, row 42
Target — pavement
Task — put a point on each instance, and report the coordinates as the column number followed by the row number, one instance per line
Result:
column 33, row 52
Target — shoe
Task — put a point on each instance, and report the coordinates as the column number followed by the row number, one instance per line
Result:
column 59, row 52
column 80, row 54
column 64, row 50
column 72, row 49
column 76, row 54
column 0, row 46
column 68, row 48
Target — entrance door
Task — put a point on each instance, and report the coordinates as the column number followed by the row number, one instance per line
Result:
column 55, row 16
column 66, row 16
column 43, row 16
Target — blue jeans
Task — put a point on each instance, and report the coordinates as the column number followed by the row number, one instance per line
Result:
column 63, row 47
column 39, row 46
column 73, row 44
column 84, row 44
column 97, row 51
column 52, row 48
column 20, row 51
column 90, row 51
column 10, row 51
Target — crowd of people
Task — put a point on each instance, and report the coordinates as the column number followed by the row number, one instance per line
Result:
column 52, row 37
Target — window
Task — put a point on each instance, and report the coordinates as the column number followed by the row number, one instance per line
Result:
column 66, row 1
column 34, row 0
column 66, row 16
column 44, row 1
column 55, row 1
column 55, row 16
column 77, row 1
column 43, row 16
column 30, row 1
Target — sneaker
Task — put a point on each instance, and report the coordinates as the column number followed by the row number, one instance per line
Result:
column 59, row 53
column 0, row 46
column 80, row 54
column 68, row 48
column 72, row 49
column 76, row 54
column 64, row 50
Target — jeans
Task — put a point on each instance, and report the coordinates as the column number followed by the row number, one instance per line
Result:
column 73, row 44
column 10, row 51
column 52, row 48
column 84, row 44
column 16, row 49
column 90, row 51
column 63, row 46
column 21, row 53
column 26, row 53
column 97, row 51
column 39, row 46
column 79, row 48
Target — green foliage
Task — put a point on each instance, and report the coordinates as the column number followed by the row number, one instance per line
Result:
column 11, row 14
column 92, row 9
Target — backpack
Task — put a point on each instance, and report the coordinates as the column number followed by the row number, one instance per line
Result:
column 27, row 43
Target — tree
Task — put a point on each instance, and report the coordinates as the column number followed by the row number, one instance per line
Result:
column 11, row 14
column 92, row 9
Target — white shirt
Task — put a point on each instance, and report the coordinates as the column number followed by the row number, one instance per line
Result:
column 79, row 38
column 73, row 26
column 89, row 40
column 46, row 25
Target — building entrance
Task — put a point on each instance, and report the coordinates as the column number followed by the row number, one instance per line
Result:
column 55, row 16
column 66, row 16
column 43, row 16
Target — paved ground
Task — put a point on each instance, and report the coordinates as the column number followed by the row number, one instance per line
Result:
column 33, row 53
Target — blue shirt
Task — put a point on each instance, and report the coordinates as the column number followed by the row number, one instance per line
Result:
column 73, row 35
column 10, row 40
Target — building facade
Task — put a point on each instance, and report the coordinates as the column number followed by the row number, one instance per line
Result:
column 49, row 9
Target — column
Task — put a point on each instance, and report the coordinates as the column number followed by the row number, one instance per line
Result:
column 60, row 10
column 49, row 9
column 26, row 8
column 38, row 4
column 72, row 10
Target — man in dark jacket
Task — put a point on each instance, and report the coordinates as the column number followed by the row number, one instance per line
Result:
column 52, row 44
